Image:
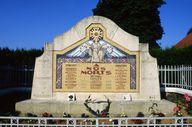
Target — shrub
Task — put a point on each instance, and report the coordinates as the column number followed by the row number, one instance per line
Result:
column 188, row 104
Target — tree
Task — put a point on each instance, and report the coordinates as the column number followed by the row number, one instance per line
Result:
column 19, row 57
column 173, row 56
column 190, row 31
column 138, row 17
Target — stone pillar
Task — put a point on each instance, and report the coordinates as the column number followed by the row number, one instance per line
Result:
column 149, row 78
column 42, row 79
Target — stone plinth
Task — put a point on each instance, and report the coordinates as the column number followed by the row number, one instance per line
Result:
column 130, row 108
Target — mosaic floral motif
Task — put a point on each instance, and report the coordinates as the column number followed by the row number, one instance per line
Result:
column 96, row 50
column 96, row 34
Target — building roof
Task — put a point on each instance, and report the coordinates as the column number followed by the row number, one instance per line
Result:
column 185, row 42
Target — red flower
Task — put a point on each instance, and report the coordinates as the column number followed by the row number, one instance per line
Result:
column 176, row 109
column 187, row 97
column 45, row 114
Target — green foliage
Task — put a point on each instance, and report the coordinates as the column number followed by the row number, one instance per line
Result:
column 19, row 56
column 188, row 103
column 173, row 56
column 138, row 17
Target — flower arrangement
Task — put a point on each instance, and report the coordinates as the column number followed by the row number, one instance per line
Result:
column 123, row 115
column 45, row 114
column 98, row 113
column 66, row 115
column 155, row 111
column 188, row 104
column 83, row 115
column 177, row 111
column 183, row 102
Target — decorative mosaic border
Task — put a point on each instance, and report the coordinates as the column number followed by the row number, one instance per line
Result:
column 61, row 59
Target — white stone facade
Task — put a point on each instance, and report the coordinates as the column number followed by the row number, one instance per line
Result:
column 148, row 76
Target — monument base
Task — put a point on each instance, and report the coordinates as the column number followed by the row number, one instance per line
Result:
column 129, row 108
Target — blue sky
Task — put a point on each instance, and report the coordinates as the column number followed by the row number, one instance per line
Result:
column 30, row 23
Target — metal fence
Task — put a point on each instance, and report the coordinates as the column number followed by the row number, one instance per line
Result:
column 176, row 76
column 96, row 122
column 170, row 76
column 15, row 76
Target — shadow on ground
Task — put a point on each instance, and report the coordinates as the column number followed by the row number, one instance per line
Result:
column 9, row 98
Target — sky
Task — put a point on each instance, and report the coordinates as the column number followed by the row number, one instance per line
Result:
column 31, row 23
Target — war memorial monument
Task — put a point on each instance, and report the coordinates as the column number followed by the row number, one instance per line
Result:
column 96, row 62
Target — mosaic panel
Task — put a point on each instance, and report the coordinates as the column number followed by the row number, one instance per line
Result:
column 96, row 50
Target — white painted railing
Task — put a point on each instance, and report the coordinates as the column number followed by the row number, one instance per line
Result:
column 176, row 78
column 96, row 122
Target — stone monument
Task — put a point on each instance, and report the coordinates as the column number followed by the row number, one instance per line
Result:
column 98, row 60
